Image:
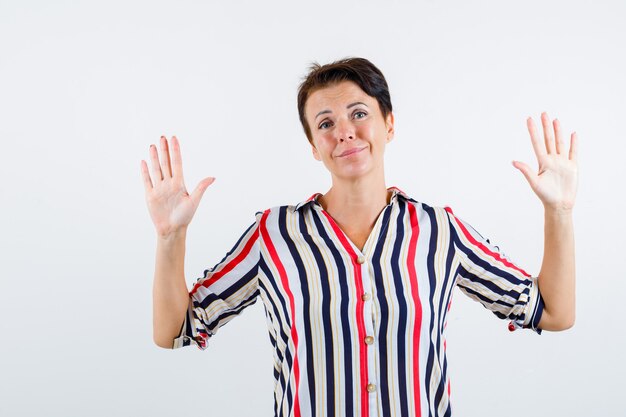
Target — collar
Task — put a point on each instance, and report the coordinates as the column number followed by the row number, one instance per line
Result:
column 395, row 190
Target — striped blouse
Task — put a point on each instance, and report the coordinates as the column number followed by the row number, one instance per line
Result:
column 359, row 333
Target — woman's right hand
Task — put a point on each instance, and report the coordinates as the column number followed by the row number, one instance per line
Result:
column 171, row 207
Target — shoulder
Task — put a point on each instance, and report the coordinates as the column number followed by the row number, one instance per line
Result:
column 427, row 209
column 273, row 214
column 275, row 210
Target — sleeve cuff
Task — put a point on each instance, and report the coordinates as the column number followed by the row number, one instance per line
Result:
column 190, row 334
column 533, row 312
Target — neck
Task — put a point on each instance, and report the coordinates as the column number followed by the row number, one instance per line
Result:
column 357, row 199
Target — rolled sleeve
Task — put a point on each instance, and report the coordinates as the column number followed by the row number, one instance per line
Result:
column 533, row 313
column 488, row 276
column 193, row 331
column 223, row 292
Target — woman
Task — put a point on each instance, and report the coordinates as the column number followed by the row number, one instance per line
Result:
column 357, row 282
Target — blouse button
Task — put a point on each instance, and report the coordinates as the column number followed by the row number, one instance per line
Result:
column 369, row 340
column 371, row 387
column 366, row 296
column 360, row 259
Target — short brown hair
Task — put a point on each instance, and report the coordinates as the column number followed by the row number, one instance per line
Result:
column 359, row 70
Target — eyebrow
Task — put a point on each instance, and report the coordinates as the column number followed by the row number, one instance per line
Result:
column 347, row 107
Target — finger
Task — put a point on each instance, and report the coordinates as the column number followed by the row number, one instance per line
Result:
column 573, row 147
column 165, row 156
column 156, row 167
column 538, row 146
column 147, row 183
column 177, row 160
column 196, row 195
column 558, row 135
column 526, row 170
column 547, row 133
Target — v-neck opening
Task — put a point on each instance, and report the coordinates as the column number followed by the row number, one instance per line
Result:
column 367, row 245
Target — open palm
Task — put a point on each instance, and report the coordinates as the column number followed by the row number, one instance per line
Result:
column 556, row 181
column 171, row 206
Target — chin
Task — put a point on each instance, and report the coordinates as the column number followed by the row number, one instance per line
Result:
column 353, row 173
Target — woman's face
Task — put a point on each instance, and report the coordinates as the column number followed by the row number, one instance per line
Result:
column 348, row 130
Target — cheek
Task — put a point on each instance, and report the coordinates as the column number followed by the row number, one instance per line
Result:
column 376, row 133
column 320, row 148
column 365, row 130
column 325, row 142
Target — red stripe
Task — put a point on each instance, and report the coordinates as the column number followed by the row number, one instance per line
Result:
column 359, row 312
column 284, row 280
column 393, row 187
column 415, row 231
column 230, row 265
column 312, row 197
column 485, row 249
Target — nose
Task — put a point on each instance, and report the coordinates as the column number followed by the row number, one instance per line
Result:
column 344, row 130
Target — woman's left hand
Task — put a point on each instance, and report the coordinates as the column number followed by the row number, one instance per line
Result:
column 556, row 181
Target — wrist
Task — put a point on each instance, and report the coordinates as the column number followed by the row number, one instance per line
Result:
column 558, row 211
column 558, row 218
column 172, row 235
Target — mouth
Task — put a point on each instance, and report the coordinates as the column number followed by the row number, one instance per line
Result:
column 351, row 151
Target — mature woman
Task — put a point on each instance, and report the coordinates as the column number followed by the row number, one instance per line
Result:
column 357, row 282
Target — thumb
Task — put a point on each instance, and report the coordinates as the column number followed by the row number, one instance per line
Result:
column 198, row 192
column 525, row 169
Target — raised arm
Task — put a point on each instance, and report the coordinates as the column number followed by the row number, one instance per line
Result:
column 555, row 184
column 171, row 208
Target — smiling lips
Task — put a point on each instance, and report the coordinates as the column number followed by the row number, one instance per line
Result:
column 351, row 151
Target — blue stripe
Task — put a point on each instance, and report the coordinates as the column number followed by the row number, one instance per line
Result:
column 345, row 315
column 434, row 345
column 228, row 292
column 479, row 262
column 281, row 300
column 229, row 314
column 384, row 314
column 326, row 321
column 512, row 293
column 306, row 305
column 449, row 279
column 396, row 261
column 231, row 251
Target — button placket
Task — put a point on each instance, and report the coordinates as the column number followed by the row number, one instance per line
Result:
column 370, row 337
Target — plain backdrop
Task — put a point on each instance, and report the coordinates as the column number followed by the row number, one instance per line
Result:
column 86, row 87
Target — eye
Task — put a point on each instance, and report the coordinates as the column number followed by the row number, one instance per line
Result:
column 323, row 124
column 358, row 113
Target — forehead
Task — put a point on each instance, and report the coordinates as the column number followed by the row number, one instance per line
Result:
column 339, row 94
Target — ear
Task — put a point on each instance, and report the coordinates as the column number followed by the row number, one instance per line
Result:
column 390, row 128
column 316, row 154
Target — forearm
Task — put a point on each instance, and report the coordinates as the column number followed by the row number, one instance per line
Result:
column 557, row 276
column 170, row 293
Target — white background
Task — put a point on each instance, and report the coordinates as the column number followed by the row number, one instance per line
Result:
column 86, row 87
